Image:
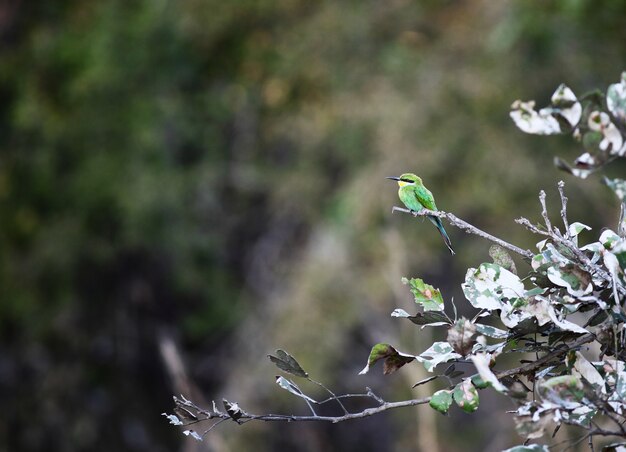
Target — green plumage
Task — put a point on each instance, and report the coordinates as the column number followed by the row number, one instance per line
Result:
column 415, row 196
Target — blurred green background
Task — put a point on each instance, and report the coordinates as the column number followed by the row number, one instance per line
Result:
column 186, row 186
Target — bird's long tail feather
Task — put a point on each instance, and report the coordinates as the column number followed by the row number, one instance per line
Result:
column 439, row 225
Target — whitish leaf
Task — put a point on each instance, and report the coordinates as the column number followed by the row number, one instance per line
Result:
column 565, row 324
column 482, row 361
column 292, row 388
column 586, row 370
column 566, row 105
column 493, row 348
column 615, row 447
column 529, row 448
column 528, row 120
column 582, row 173
column 491, row 331
column 609, row 238
column 492, row 287
column 616, row 100
column 577, row 228
column 612, row 265
column 565, row 391
column 425, row 295
column 285, row 362
column 173, row 419
column 393, row 358
column 549, row 255
column 581, row 415
column 586, row 160
column 431, row 318
column 532, row 422
column 541, row 244
column 539, row 308
column 544, row 372
column 572, row 277
column 193, row 434
column 612, row 141
column 441, row 401
column 489, row 286
column 233, row 410
column 562, row 115
column 439, row 352
column 595, row 247
column 466, row 396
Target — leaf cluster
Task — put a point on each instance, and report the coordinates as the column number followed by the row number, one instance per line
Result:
column 566, row 313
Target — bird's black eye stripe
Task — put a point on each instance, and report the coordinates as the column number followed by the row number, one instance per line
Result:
column 408, row 181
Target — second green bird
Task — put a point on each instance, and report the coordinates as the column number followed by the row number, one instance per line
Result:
column 415, row 196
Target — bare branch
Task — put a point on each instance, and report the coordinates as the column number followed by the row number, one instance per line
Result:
column 465, row 226
column 384, row 406
column 214, row 425
column 532, row 366
column 333, row 396
column 565, row 240
column 583, row 259
column 544, row 210
column 531, row 227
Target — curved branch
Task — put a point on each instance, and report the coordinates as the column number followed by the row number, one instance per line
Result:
column 243, row 416
column 530, row 367
column 465, row 226
column 335, row 419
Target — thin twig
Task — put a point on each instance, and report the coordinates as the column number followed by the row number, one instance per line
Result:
column 561, row 186
column 583, row 259
column 213, row 426
column 347, row 396
column 245, row 417
column 544, row 210
column 465, row 226
column 333, row 396
column 530, row 367
column 374, row 396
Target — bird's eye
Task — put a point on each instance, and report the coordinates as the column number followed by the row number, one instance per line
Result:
column 408, row 181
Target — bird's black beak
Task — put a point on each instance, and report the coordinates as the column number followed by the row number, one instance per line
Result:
column 392, row 178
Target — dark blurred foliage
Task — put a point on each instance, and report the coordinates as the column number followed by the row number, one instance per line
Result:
column 212, row 174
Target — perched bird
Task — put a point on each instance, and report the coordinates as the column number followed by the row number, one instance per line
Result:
column 415, row 196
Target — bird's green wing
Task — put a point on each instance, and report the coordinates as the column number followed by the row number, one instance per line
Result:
column 425, row 197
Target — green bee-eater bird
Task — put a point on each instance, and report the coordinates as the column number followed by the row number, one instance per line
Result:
column 415, row 196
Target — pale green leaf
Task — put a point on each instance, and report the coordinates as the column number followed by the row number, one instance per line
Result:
column 425, row 295
column 441, row 401
column 576, row 228
column 466, row 396
column 529, row 448
column 439, row 352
